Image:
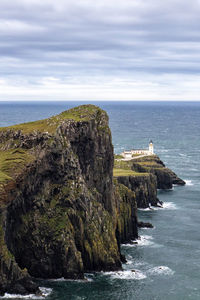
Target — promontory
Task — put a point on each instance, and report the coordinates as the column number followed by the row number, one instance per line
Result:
column 62, row 213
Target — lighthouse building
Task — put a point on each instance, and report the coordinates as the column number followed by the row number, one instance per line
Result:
column 128, row 154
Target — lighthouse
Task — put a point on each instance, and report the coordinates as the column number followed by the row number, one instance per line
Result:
column 151, row 148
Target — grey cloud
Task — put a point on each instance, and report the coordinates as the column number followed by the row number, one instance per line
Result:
column 70, row 37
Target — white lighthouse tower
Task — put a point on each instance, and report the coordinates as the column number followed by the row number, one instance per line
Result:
column 151, row 148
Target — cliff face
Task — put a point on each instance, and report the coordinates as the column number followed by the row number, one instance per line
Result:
column 152, row 164
column 144, row 176
column 145, row 188
column 60, row 213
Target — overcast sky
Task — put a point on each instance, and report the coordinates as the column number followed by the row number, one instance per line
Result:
column 100, row 50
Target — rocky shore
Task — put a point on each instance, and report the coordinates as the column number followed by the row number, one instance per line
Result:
column 61, row 211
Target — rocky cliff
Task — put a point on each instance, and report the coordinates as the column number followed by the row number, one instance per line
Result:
column 144, row 176
column 60, row 212
column 153, row 165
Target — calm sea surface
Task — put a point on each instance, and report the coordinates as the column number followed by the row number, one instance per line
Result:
column 167, row 258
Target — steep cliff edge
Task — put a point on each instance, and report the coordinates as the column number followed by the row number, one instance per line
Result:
column 144, row 176
column 60, row 212
column 153, row 165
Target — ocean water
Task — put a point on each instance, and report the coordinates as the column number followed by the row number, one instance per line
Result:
column 166, row 262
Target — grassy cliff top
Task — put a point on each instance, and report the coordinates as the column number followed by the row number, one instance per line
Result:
column 137, row 167
column 123, row 172
column 79, row 113
column 14, row 161
column 124, row 168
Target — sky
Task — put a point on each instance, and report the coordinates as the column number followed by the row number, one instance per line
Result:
column 100, row 50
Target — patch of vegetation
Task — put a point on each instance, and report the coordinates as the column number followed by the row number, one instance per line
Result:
column 80, row 113
column 135, row 155
column 12, row 162
column 150, row 164
column 4, row 253
column 123, row 172
column 118, row 156
column 123, row 164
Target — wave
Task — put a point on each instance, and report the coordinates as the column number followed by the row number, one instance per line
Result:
column 160, row 270
column 169, row 205
column 145, row 209
column 44, row 293
column 143, row 240
column 189, row 182
column 127, row 274
column 58, row 279
column 183, row 154
column 148, row 228
column 162, row 150
column 129, row 261
column 86, row 279
column 165, row 205
column 135, row 274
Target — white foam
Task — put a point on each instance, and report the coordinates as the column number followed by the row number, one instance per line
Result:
column 150, row 208
column 160, row 270
column 182, row 154
column 44, row 293
column 58, row 279
column 188, row 182
column 145, row 209
column 169, row 205
column 127, row 274
column 86, row 279
column 129, row 262
column 163, row 150
column 143, row 240
column 165, row 205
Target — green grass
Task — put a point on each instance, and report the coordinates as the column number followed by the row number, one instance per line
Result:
column 12, row 162
column 122, row 172
column 150, row 164
column 122, row 164
column 135, row 155
column 80, row 113
column 118, row 156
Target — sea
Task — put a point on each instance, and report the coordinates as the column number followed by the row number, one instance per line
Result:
column 165, row 264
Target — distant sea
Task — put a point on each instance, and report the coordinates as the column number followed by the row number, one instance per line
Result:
column 167, row 258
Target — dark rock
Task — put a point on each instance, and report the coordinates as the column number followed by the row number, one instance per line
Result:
column 150, row 175
column 123, row 258
column 152, row 164
column 144, row 187
column 144, row 225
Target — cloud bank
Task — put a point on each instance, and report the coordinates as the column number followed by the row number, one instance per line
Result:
column 99, row 50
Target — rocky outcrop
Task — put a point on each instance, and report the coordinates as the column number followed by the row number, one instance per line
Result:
column 145, row 188
column 144, row 176
column 144, row 225
column 126, row 205
column 152, row 164
column 60, row 213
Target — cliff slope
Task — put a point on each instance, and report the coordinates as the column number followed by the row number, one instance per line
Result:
column 60, row 212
